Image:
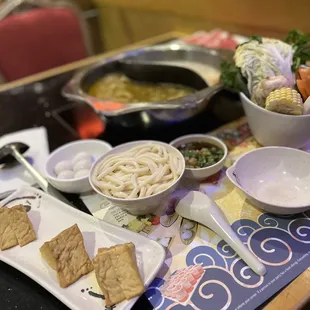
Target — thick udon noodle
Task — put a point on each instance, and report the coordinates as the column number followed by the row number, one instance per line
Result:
column 142, row 171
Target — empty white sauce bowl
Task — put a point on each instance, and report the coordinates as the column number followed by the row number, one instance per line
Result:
column 275, row 179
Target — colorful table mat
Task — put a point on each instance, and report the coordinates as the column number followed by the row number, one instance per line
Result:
column 201, row 271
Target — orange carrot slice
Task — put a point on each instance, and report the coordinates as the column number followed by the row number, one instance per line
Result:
column 303, row 72
column 306, row 83
column 302, row 89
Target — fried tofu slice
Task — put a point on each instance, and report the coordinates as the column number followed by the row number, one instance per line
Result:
column 7, row 234
column 67, row 255
column 124, row 266
column 48, row 256
column 22, row 225
column 107, row 279
column 127, row 271
column 120, row 247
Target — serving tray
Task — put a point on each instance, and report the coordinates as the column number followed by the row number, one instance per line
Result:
column 49, row 217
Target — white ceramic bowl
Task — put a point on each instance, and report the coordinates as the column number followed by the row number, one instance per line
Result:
column 202, row 173
column 275, row 179
column 275, row 129
column 95, row 148
column 145, row 205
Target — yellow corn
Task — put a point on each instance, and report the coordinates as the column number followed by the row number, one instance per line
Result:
column 285, row 101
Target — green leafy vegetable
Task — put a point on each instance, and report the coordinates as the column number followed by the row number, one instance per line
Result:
column 301, row 47
column 232, row 78
column 231, row 75
column 253, row 38
column 256, row 38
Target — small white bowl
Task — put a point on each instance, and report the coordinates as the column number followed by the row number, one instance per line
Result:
column 275, row 129
column 95, row 148
column 145, row 205
column 275, row 179
column 202, row 173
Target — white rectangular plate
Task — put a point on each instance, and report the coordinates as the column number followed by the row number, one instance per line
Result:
column 49, row 217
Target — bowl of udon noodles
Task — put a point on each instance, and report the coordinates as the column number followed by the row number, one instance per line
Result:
column 138, row 176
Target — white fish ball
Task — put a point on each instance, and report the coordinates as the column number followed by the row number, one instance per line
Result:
column 81, row 156
column 82, row 164
column 63, row 165
column 66, row 174
column 81, row 173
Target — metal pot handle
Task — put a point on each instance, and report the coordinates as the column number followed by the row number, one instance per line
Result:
column 71, row 89
column 108, row 108
column 201, row 96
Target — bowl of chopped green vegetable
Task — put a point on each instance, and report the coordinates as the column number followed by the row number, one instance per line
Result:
column 204, row 155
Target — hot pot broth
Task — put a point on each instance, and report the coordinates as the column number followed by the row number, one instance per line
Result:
column 118, row 87
column 200, row 154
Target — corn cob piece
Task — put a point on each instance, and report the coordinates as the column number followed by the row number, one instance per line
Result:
column 285, row 101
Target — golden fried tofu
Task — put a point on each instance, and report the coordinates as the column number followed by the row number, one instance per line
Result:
column 22, row 225
column 67, row 255
column 48, row 256
column 122, row 261
column 127, row 272
column 107, row 279
column 7, row 234
column 120, row 247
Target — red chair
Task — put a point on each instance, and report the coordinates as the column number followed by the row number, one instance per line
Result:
column 41, row 39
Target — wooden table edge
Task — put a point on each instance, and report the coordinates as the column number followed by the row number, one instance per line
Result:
column 294, row 296
column 297, row 291
column 89, row 60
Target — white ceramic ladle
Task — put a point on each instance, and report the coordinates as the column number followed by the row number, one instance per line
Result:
column 199, row 207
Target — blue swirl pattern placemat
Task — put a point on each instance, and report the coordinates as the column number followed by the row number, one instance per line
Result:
column 282, row 244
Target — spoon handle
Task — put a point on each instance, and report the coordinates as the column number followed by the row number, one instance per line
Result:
column 42, row 182
column 199, row 207
column 220, row 225
column 34, row 173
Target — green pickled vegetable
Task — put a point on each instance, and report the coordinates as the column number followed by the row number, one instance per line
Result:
column 200, row 154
